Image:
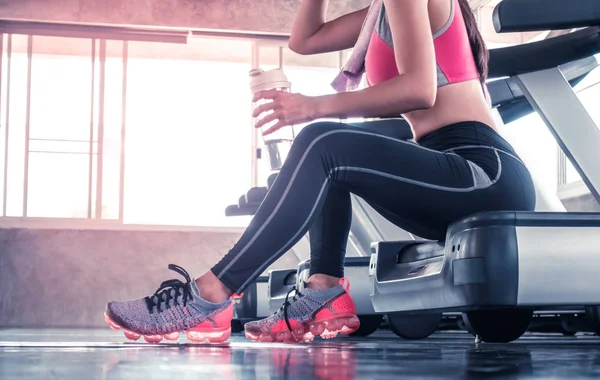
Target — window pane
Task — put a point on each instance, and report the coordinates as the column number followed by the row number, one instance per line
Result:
column 58, row 185
column 61, row 108
column 188, row 137
column 541, row 157
column 61, row 90
column 17, row 112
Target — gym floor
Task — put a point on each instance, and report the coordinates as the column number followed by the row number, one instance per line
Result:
column 104, row 354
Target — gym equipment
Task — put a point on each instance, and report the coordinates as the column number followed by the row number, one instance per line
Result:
column 516, row 15
column 565, row 322
column 280, row 283
column 510, row 101
column 255, row 195
column 499, row 268
column 253, row 304
column 263, row 297
column 357, row 272
column 271, row 180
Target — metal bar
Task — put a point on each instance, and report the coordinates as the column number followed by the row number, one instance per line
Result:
column 353, row 247
column 477, row 4
column 242, row 35
column 568, row 120
column 60, row 140
column 562, row 168
column 91, row 140
column 56, row 152
column 156, row 34
column 579, row 91
column 253, row 132
column 95, row 31
column 280, row 57
column 6, row 128
column 100, row 148
column 123, row 131
column 27, row 125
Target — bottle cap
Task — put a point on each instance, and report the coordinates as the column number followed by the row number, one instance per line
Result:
column 267, row 80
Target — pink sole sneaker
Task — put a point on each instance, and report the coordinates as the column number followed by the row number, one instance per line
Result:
column 194, row 335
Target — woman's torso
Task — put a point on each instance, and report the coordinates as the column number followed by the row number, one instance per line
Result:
column 460, row 96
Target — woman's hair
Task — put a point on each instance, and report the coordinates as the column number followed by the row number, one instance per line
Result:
column 480, row 52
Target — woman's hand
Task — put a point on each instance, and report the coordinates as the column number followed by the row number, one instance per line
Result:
column 288, row 109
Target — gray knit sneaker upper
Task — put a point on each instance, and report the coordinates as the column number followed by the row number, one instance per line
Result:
column 302, row 308
column 175, row 306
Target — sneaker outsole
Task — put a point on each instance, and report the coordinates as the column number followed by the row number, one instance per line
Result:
column 325, row 328
column 192, row 335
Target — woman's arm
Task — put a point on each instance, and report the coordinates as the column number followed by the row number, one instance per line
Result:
column 312, row 35
column 416, row 86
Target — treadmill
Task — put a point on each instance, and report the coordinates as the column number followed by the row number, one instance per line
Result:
column 498, row 268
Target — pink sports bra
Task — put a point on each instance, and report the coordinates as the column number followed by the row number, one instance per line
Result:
column 455, row 62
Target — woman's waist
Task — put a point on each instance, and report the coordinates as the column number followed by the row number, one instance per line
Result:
column 454, row 103
column 464, row 136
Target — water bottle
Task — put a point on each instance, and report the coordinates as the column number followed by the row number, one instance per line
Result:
column 277, row 144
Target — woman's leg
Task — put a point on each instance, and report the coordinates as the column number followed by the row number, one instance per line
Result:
column 411, row 183
column 328, row 236
column 428, row 187
column 329, row 232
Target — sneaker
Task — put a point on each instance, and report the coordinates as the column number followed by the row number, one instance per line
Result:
column 309, row 313
column 174, row 307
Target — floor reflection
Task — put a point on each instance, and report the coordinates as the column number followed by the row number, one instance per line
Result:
column 336, row 362
column 504, row 363
column 384, row 356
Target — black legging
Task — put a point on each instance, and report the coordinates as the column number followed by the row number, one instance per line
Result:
column 451, row 173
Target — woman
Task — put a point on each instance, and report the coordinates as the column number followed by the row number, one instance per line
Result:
column 424, row 59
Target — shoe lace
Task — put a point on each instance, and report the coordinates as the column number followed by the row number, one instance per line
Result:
column 171, row 290
column 288, row 302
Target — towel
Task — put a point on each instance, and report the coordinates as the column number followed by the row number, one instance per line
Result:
column 352, row 72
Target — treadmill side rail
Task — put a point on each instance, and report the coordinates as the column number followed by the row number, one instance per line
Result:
column 559, row 266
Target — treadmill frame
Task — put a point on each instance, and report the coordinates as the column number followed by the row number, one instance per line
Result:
column 561, row 109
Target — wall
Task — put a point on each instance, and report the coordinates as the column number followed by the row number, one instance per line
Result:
column 55, row 278
column 255, row 15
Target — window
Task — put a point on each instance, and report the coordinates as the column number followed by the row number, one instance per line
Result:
column 135, row 132
column 55, row 106
column 188, row 133
column 540, row 157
